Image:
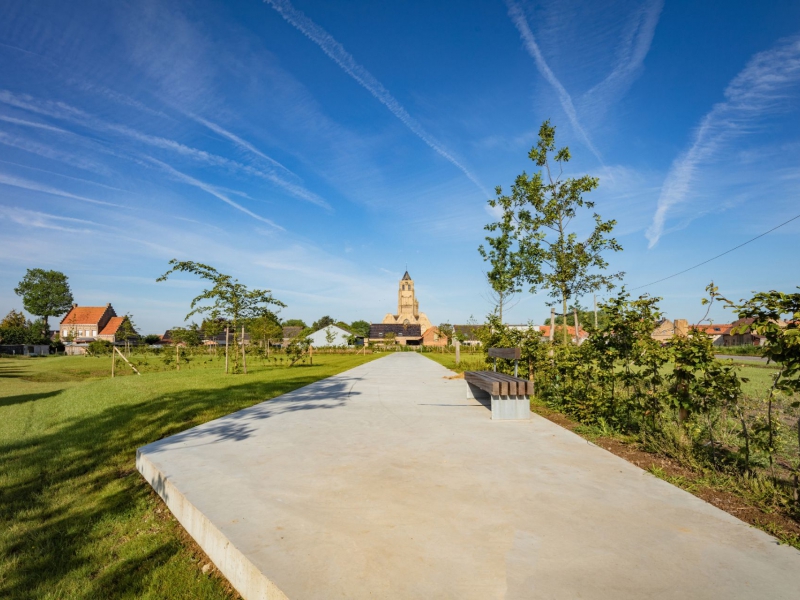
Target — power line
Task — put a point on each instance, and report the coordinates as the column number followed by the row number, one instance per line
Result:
column 717, row 256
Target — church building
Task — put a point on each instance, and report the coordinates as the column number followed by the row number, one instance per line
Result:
column 407, row 307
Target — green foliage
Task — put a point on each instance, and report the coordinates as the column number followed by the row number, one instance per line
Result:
column 45, row 293
column 297, row 349
column 15, row 329
column 265, row 328
column 14, row 319
column 537, row 244
column 360, row 328
column 330, row 335
column 446, row 329
column 151, row 339
column 294, row 323
column 229, row 299
column 585, row 318
column 323, row 322
column 99, row 348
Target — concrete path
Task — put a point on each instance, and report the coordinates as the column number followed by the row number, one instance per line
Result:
column 385, row 482
column 743, row 358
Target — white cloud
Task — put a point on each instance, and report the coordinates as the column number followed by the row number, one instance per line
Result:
column 755, row 93
column 635, row 44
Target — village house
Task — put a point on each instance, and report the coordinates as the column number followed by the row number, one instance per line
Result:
column 85, row 324
column 468, row 334
column 433, row 337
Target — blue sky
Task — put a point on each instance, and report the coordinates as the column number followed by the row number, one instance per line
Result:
column 318, row 148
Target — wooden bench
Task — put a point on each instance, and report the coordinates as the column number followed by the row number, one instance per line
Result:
column 508, row 396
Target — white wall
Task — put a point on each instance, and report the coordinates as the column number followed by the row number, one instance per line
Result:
column 318, row 339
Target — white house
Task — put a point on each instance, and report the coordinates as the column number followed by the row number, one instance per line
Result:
column 329, row 336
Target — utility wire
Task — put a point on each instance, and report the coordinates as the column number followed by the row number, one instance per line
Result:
column 717, row 256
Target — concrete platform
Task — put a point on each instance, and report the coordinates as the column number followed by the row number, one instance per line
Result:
column 384, row 482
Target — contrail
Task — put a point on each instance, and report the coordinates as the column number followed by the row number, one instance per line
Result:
column 38, row 187
column 345, row 60
column 211, row 190
column 521, row 23
column 756, row 92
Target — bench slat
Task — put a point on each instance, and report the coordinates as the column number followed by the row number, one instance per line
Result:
column 499, row 383
column 507, row 353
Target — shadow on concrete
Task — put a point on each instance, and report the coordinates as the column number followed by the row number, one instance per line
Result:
column 322, row 395
column 65, row 487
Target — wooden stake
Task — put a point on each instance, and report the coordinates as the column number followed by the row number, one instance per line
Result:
column 126, row 360
column 595, row 309
column 244, row 354
column 177, row 356
column 226, row 350
column 113, row 362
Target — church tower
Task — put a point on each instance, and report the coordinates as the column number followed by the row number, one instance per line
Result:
column 407, row 306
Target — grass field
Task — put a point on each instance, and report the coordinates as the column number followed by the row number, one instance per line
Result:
column 76, row 518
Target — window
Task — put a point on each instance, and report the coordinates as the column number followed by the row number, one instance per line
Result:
column 65, row 333
column 94, row 332
column 80, row 333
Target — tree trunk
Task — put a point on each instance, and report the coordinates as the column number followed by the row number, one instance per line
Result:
column 227, row 332
column 552, row 328
column 595, row 310
column 577, row 327
column 566, row 333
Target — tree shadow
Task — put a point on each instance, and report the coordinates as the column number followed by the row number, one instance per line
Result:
column 67, row 484
column 22, row 398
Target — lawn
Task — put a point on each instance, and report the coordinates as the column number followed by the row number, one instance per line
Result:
column 76, row 518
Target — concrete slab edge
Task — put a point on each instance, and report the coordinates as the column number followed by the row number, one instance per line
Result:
column 242, row 574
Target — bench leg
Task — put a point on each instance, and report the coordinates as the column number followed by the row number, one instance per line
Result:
column 476, row 393
column 508, row 408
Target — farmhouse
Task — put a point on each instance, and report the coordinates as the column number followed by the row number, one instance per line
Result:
column 84, row 324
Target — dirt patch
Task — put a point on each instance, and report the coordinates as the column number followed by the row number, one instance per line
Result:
column 456, row 376
column 775, row 523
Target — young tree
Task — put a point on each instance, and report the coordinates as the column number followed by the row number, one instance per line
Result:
column 765, row 311
column 446, row 329
column 264, row 329
column 538, row 216
column 127, row 332
column 229, row 298
column 330, row 335
column 45, row 294
column 504, row 276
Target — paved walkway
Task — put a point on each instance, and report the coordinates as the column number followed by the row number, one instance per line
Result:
column 385, row 482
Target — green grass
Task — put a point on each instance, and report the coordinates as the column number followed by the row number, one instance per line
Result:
column 76, row 518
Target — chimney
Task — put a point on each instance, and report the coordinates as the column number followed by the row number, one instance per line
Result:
column 681, row 327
